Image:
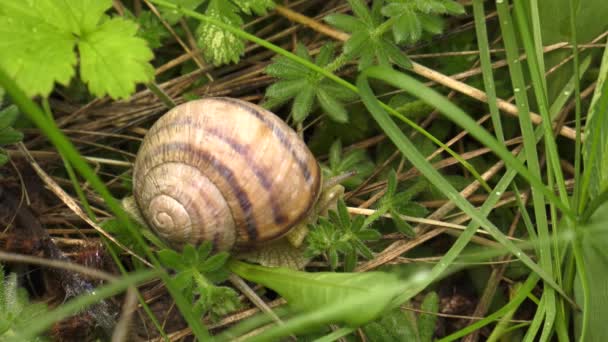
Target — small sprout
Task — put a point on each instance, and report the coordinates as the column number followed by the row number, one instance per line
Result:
column 197, row 272
column 341, row 235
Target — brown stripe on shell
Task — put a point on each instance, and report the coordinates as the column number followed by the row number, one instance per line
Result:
column 244, row 151
column 226, row 173
column 277, row 132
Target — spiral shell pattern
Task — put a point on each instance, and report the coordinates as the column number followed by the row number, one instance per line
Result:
column 226, row 171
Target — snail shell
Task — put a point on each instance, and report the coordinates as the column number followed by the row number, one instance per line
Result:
column 226, row 171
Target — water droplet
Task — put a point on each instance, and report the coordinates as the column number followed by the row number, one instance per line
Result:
column 516, row 90
column 566, row 93
column 498, row 193
column 518, row 254
column 516, row 61
column 499, row 1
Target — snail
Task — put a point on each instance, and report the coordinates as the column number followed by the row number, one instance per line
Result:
column 226, row 171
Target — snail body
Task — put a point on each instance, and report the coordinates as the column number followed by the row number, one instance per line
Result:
column 226, row 171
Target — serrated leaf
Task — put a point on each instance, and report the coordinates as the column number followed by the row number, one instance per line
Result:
column 259, row 7
column 8, row 116
column 332, row 108
column 34, row 52
column 219, row 46
column 113, row 59
column 10, row 136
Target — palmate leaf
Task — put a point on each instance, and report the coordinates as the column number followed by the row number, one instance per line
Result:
column 306, row 88
column 366, row 42
column 37, row 40
column 411, row 17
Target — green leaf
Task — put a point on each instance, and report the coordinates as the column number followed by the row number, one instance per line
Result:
column 401, row 225
column 334, row 154
column 113, row 59
column 169, row 258
column 204, row 250
column 344, row 22
column 37, row 42
column 10, row 136
column 307, row 292
column 172, row 16
column 283, row 91
column 8, row 116
column 33, row 49
column 3, row 158
column 219, row 46
column 332, row 107
column 259, row 7
column 427, row 322
column 302, row 104
column 215, row 262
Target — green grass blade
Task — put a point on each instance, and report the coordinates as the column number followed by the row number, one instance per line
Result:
column 450, row 110
column 486, row 67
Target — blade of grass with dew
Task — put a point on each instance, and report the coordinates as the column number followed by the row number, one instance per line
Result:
column 519, row 88
column 36, row 327
column 513, row 304
column 59, row 140
column 323, row 71
column 486, row 67
column 450, row 110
